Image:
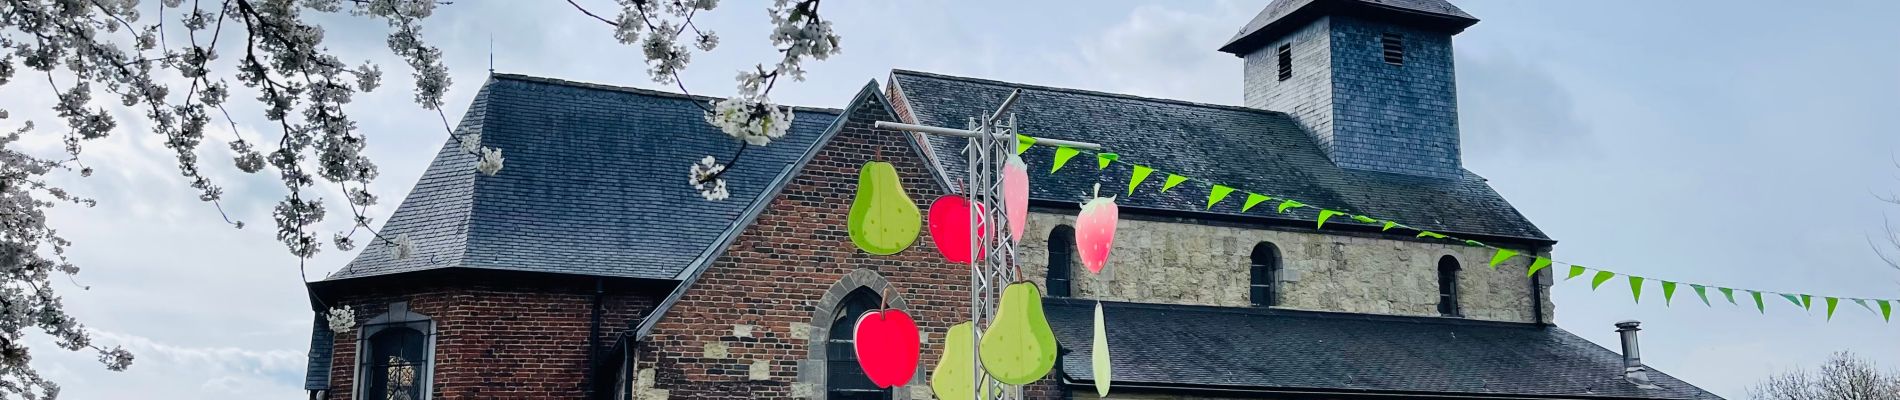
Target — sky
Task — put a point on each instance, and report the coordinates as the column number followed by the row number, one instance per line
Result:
column 1733, row 143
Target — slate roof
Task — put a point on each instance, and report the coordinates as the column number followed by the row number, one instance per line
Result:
column 1176, row 346
column 1249, row 149
column 1282, row 15
column 594, row 183
column 322, row 343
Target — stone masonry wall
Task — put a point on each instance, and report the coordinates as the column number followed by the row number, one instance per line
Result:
column 1182, row 262
column 496, row 340
column 1308, row 95
column 750, row 327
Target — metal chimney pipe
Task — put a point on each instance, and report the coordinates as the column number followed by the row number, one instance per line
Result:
column 1633, row 369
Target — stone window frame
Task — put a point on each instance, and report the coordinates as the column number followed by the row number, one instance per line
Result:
column 812, row 371
column 1066, row 264
column 1456, row 309
column 1275, row 272
column 398, row 315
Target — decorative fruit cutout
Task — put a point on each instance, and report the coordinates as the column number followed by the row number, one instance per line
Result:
column 1019, row 348
column 886, row 343
column 1095, row 231
column 955, row 376
column 1100, row 353
column 950, row 228
column 883, row 220
column 1016, row 196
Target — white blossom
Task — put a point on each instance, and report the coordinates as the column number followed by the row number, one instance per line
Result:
column 757, row 122
column 706, row 179
column 471, row 142
column 341, row 319
column 490, row 162
column 401, row 247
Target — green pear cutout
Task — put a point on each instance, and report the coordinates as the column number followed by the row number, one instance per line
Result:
column 956, row 376
column 1019, row 348
column 883, row 220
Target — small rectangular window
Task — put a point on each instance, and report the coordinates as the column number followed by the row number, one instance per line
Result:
column 1394, row 48
column 1286, row 61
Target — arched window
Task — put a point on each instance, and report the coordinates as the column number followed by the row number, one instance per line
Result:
column 1264, row 287
column 396, row 348
column 845, row 380
column 1448, row 286
column 1061, row 251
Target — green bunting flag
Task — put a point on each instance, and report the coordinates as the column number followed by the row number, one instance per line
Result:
column 1364, row 219
column 1886, row 310
column 1023, row 143
column 1388, row 226
column 1063, row 154
column 1430, row 234
column 1669, row 292
column 1807, row 302
column 1141, row 174
column 1830, row 307
column 1173, row 180
column 1792, row 299
column 1636, row 288
column 1102, row 160
column 1474, row 243
column 1863, row 304
column 1602, row 276
column 1325, row 214
column 1575, row 271
column 1729, row 293
column 1500, row 256
column 1288, row 205
column 1537, row 264
column 1758, row 304
column 1703, row 293
column 1216, row 194
column 1253, row 199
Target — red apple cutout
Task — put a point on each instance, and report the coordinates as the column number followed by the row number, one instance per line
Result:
column 950, row 227
column 886, row 342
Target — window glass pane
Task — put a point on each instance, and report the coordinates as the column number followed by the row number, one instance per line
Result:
column 845, row 378
column 1061, row 253
column 396, row 365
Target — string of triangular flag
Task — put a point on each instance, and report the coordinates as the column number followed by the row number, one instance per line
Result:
column 1218, row 192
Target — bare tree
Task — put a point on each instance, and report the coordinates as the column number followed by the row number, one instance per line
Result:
column 176, row 64
column 1843, row 377
column 1888, row 245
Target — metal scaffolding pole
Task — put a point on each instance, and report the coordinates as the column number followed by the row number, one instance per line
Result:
column 990, row 140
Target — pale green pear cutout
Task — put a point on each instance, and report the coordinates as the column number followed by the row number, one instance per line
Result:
column 883, row 220
column 955, row 376
column 1100, row 353
column 1018, row 348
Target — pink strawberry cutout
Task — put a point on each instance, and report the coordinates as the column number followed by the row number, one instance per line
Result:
column 1016, row 196
column 950, row 227
column 1095, row 232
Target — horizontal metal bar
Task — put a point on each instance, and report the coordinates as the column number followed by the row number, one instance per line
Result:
column 963, row 133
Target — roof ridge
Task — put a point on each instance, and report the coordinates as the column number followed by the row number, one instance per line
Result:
column 896, row 71
column 1297, row 313
column 635, row 90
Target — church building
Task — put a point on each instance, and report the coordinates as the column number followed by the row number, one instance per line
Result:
column 590, row 269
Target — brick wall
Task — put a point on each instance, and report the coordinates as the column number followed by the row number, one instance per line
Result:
column 770, row 281
column 494, row 339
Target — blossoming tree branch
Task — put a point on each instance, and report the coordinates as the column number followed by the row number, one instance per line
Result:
column 177, row 64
